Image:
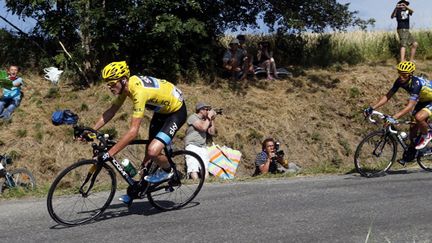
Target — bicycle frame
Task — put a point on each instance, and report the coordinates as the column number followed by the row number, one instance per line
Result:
column 137, row 185
column 396, row 136
column 9, row 181
column 390, row 130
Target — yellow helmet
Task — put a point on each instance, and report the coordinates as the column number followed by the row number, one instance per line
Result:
column 115, row 71
column 406, row 67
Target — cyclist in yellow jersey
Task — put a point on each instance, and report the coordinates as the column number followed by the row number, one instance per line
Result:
column 149, row 93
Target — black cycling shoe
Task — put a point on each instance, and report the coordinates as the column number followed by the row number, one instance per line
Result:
column 403, row 162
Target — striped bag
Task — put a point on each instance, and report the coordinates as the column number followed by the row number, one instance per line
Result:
column 223, row 161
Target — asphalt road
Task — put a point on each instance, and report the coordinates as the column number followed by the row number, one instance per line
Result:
column 348, row 208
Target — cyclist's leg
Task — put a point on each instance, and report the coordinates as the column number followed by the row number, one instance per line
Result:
column 421, row 119
column 163, row 128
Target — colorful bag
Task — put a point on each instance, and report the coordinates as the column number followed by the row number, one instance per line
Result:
column 223, row 161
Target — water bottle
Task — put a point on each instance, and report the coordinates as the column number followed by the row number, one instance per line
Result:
column 403, row 135
column 128, row 167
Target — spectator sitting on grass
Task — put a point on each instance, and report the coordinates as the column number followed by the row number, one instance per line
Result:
column 266, row 60
column 11, row 98
column 269, row 160
column 233, row 60
column 248, row 58
column 200, row 125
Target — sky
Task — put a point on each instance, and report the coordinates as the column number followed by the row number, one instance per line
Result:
column 380, row 10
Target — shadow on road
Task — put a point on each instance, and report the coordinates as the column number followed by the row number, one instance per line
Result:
column 353, row 175
column 121, row 210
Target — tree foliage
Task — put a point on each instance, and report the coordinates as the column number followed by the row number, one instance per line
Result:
column 169, row 38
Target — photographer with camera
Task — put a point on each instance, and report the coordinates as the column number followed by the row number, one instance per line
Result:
column 200, row 125
column 402, row 14
column 271, row 159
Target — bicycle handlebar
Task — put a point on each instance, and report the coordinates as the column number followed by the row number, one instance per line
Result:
column 80, row 130
column 381, row 116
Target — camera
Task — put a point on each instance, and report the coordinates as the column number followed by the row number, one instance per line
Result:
column 279, row 152
column 218, row 111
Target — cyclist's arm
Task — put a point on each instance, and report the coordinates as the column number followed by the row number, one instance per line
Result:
column 408, row 108
column 128, row 137
column 106, row 116
column 384, row 99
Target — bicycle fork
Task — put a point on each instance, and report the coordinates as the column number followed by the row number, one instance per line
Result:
column 380, row 147
column 92, row 174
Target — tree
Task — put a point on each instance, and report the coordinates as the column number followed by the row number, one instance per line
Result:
column 172, row 38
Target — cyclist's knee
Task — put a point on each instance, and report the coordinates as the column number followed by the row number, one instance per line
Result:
column 155, row 148
column 421, row 116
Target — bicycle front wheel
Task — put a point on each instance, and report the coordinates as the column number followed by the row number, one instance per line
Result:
column 81, row 192
column 21, row 179
column 180, row 189
column 375, row 154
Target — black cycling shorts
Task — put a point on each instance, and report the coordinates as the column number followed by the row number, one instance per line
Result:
column 423, row 106
column 163, row 127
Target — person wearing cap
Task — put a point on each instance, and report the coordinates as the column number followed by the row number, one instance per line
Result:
column 402, row 14
column 233, row 60
column 200, row 124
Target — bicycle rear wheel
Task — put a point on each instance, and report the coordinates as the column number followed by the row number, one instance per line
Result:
column 81, row 192
column 375, row 154
column 180, row 189
column 22, row 179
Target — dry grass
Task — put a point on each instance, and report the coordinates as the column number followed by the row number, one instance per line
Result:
column 316, row 117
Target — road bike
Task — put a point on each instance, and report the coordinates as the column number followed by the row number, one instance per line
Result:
column 85, row 189
column 377, row 151
column 20, row 178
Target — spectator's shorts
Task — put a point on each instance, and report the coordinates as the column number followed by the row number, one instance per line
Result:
column 405, row 37
column 191, row 162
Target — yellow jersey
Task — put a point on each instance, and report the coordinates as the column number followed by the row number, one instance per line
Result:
column 153, row 94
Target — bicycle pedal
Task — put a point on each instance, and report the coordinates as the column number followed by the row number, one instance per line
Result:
column 142, row 195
